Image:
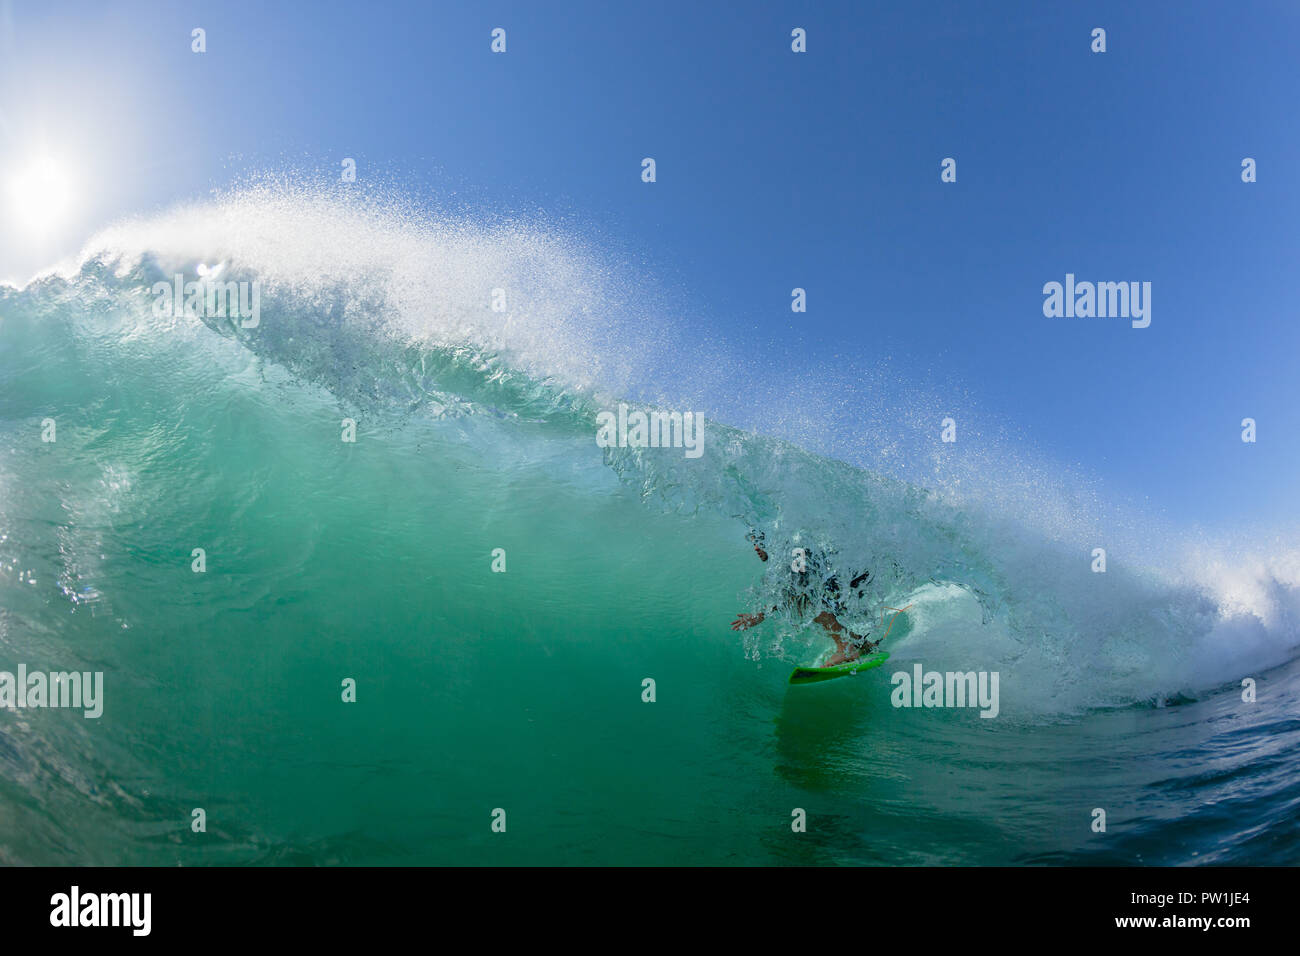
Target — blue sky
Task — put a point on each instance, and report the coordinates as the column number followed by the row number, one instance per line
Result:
column 778, row 170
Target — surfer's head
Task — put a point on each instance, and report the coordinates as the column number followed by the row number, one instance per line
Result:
column 756, row 537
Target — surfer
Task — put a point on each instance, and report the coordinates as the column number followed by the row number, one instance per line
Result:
column 811, row 589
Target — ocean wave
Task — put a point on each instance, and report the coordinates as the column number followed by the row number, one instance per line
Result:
column 389, row 311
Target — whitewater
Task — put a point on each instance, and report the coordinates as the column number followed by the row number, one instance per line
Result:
column 327, row 560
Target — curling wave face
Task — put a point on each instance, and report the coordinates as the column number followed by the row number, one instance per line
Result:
column 476, row 431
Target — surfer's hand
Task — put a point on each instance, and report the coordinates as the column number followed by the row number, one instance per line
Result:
column 746, row 620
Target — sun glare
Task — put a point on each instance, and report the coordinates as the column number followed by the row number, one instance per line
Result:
column 40, row 197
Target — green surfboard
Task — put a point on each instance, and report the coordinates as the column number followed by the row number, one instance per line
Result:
column 899, row 625
column 813, row 674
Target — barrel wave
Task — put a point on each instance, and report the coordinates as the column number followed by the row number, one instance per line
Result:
column 502, row 590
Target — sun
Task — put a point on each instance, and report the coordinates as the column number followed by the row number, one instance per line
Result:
column 40, row 197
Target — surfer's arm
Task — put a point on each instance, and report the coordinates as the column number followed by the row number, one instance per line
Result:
column 743, row 621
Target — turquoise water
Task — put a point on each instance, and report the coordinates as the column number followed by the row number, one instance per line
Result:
column 522, row 690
